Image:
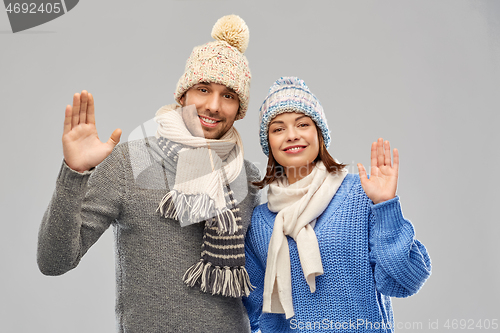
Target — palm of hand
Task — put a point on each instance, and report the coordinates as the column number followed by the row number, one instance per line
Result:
column 383, row 181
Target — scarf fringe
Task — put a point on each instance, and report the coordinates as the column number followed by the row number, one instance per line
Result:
column 225, row 281
column 197, row 207
column 225, row 221
column 193, row 274
column 176, row 205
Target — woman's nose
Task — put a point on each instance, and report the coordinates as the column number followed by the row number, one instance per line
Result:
column 292, row 134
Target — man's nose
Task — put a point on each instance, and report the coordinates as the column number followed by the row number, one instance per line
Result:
column 213, row 103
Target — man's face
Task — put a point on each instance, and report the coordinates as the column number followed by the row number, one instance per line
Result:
column 216, row 106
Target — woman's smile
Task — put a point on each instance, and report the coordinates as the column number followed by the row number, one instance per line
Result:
column 294, row 149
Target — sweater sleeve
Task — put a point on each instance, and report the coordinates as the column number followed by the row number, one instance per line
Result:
column 82, row 207
column 253, row 174
column 401, row 263
column 256, row 271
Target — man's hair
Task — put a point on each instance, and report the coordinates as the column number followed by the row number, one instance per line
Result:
column 274, row 170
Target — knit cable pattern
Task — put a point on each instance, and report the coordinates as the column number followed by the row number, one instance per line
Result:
column 369, row 254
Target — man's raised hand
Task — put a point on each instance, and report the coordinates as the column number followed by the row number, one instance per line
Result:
column 383, row 181
column 81, row 145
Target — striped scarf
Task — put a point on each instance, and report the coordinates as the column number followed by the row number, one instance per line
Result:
column 202, row 192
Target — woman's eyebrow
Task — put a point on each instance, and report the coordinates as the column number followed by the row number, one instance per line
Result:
column 281, row 122
column 276, row 122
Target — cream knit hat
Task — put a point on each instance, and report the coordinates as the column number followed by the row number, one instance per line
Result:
column 221, row 61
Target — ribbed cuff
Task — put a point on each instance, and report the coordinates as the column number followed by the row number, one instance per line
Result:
column 389, row 214
column 72, row 179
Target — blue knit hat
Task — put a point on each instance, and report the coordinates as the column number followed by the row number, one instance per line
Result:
column 290, row 94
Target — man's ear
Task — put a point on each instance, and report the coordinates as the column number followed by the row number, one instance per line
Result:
column 182, row 99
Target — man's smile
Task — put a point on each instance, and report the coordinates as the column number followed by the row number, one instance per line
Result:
column 208, row 122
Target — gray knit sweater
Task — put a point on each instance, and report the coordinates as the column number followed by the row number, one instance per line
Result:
column 152, row 253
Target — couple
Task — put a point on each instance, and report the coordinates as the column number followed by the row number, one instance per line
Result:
column 327, row 245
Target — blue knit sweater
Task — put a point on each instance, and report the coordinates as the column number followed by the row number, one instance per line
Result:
column 369, row 254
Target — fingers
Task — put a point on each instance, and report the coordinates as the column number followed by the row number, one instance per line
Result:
column 84, row 96
column 82, row 110
column 67, row 119
column 380, row 152
column 76, row 110
column 373, row 160
column 387, row 153
column 115, row 137
column 362, row 173
column 396, row 159
column 90, row 110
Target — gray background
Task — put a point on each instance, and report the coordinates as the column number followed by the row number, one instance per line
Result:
column 424, row 74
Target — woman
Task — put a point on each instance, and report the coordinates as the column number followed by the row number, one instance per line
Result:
column 329, row 248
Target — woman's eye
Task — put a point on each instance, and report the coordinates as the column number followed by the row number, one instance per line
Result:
column 303, row 125
column 277, row 130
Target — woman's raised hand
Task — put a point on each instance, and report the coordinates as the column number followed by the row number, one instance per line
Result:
column 383, row 181
column 81, row 146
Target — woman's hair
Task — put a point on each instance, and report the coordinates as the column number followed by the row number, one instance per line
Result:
column 275, row 170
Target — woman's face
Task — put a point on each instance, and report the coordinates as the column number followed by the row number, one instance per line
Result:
column 293, row 140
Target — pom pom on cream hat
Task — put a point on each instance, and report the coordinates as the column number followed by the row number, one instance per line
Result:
column 221, row 61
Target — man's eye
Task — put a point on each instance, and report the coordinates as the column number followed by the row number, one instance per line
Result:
column 229, row 96
column 203, row 90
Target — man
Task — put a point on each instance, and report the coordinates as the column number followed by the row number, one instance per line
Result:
column 155, row 191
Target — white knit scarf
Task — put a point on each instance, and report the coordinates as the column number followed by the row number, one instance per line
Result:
column 203, row 170
column 297, row 205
